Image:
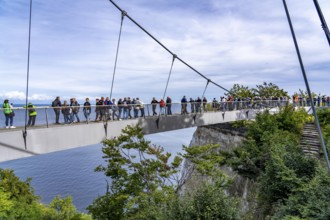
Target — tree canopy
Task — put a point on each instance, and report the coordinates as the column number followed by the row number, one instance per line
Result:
column 18, row 201
column 264, row 90
column 290, row 185
column 145, row 182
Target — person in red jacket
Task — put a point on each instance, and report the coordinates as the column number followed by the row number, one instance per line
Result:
column 162, row 106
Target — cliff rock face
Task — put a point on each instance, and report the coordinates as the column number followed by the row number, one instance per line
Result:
column 228, row 138
column 225, row 135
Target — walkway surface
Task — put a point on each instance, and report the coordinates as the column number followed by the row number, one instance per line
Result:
column 52, row 138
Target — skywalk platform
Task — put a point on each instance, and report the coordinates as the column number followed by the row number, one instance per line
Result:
column 42, row 139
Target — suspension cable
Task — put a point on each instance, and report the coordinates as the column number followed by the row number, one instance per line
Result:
column 169, row 75
column 307, row 85
column 123, row 14
column 27, row 74
column 168, row 80
column 323, row 21
column 155, row 39
column 209, row 80
column 207, row 83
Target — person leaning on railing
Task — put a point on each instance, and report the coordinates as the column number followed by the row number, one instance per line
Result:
column 75, row 106
column 184, row 105
column 87, row 109
column 169, row 105
column 141, row 105
column 129, row 103
column 56, row 104
column 32, row 114
column 66, row 111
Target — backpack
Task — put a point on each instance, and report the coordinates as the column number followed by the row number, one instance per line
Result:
column 55, row 103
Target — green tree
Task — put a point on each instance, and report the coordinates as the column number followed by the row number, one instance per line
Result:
column 286, row 171
column 267, row 130
column 208, row 201
column 310, row 201
column 324, row 119
column 139, row 170
column 324, row 116
column 240, row 91
column 145, row 182
column 19, row 190
column 271, row 156
column 5, row 204
column 18, row 201
column 205, row 159
column 21, row 194
column 269, row 90
column 63, row 208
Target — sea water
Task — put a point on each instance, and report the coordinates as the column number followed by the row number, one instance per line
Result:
column 71, row 172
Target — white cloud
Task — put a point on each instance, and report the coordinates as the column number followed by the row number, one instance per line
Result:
column 13, row 95
column 239, row 41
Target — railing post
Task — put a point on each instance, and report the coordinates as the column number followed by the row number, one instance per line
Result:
column 148, row 109
column 46, row 116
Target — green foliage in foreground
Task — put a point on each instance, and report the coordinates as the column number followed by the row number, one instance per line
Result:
column 146, row 182
column 18, row 201
column 291, row 185
column 267, row 131
column 309, row 201
column 208, row 201
column 324, row 119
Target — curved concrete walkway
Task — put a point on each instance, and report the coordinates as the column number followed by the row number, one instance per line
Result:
column 41, row 140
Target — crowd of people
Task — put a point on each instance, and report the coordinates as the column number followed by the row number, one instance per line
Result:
column 105, row 109
column 127, row 108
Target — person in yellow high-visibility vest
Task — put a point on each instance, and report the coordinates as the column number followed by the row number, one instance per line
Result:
column 32, row 114
column 9, row 113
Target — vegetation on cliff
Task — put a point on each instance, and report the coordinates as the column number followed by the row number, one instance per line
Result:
column 146, row 181
column 290, row 185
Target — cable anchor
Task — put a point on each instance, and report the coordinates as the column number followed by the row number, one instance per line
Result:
column 123, row 14
column 174, row 57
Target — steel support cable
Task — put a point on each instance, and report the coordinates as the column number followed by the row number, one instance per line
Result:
column 307, row 86
column 27, row 76
column 169, row 76
column 323, row 21
column 168, row 50
column 123, row 14
column 203, row 75
column 207, row 83
column 168, row 80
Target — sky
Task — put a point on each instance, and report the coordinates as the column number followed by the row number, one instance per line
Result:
column 73, row 48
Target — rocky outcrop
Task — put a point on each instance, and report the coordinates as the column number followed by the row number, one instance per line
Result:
column 228, row 138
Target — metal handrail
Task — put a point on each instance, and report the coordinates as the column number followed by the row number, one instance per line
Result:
column 45, row 117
